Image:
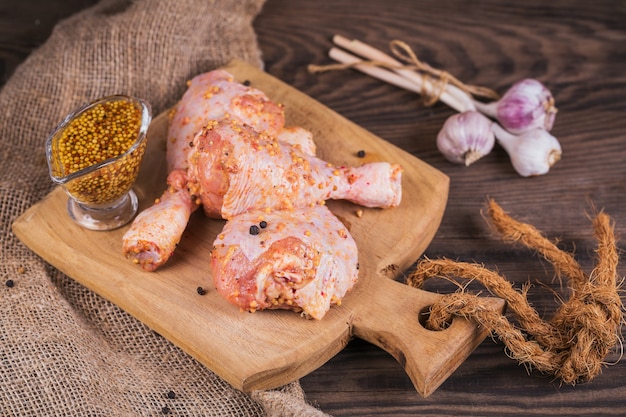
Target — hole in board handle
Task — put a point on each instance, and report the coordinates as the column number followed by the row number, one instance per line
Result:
column 423, row 317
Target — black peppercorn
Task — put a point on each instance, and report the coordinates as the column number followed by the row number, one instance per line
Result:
column 246, row 83
column 165, row 410
column 171, row 394
column 200, row 291
column 263, row 224
column 10, row 283
column 361, row 153
column 254, row 229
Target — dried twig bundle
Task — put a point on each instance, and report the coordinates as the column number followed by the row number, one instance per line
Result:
column 571, row 345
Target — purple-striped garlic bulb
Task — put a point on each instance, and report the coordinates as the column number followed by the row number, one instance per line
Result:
column 527, row 105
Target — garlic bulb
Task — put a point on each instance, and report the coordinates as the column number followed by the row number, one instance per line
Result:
column 527, row 105
column 532, row 153
column 466, row 137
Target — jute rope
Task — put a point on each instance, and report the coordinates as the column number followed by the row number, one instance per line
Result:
column 574, row 343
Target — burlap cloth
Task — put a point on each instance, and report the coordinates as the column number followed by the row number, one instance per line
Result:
column 65, row 351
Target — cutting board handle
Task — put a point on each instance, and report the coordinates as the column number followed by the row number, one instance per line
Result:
column 392, row 322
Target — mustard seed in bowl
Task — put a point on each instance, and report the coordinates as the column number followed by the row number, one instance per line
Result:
column 102, row 132
column 96, row 153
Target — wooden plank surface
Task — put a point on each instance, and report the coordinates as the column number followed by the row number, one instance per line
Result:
column 576, row 48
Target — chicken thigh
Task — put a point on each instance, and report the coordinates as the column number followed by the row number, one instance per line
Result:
column 213, row 96
column 303, row 260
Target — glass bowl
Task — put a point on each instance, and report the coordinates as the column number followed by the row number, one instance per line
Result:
column 95, row 154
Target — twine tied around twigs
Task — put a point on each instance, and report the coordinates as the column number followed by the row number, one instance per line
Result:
column 573, row 344
column 435, row 80
column 406, row 54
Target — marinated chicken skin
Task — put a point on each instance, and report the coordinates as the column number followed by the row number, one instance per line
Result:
column 234, row 169
column 150, row 238
column 303, row 260
column 213, row 96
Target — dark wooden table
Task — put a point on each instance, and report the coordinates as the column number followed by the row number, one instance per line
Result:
column 576, row 48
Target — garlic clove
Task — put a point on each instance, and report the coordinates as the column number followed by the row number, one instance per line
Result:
column 532, row 153
column 466, row 137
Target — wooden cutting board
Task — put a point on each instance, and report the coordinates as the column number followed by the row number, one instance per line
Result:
column 267, row 349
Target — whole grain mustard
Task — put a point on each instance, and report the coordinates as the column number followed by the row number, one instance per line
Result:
column 99, row 134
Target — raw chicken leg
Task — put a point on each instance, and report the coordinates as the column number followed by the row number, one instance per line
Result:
column 235, row 169
column 154, row 234
column 303, row 260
